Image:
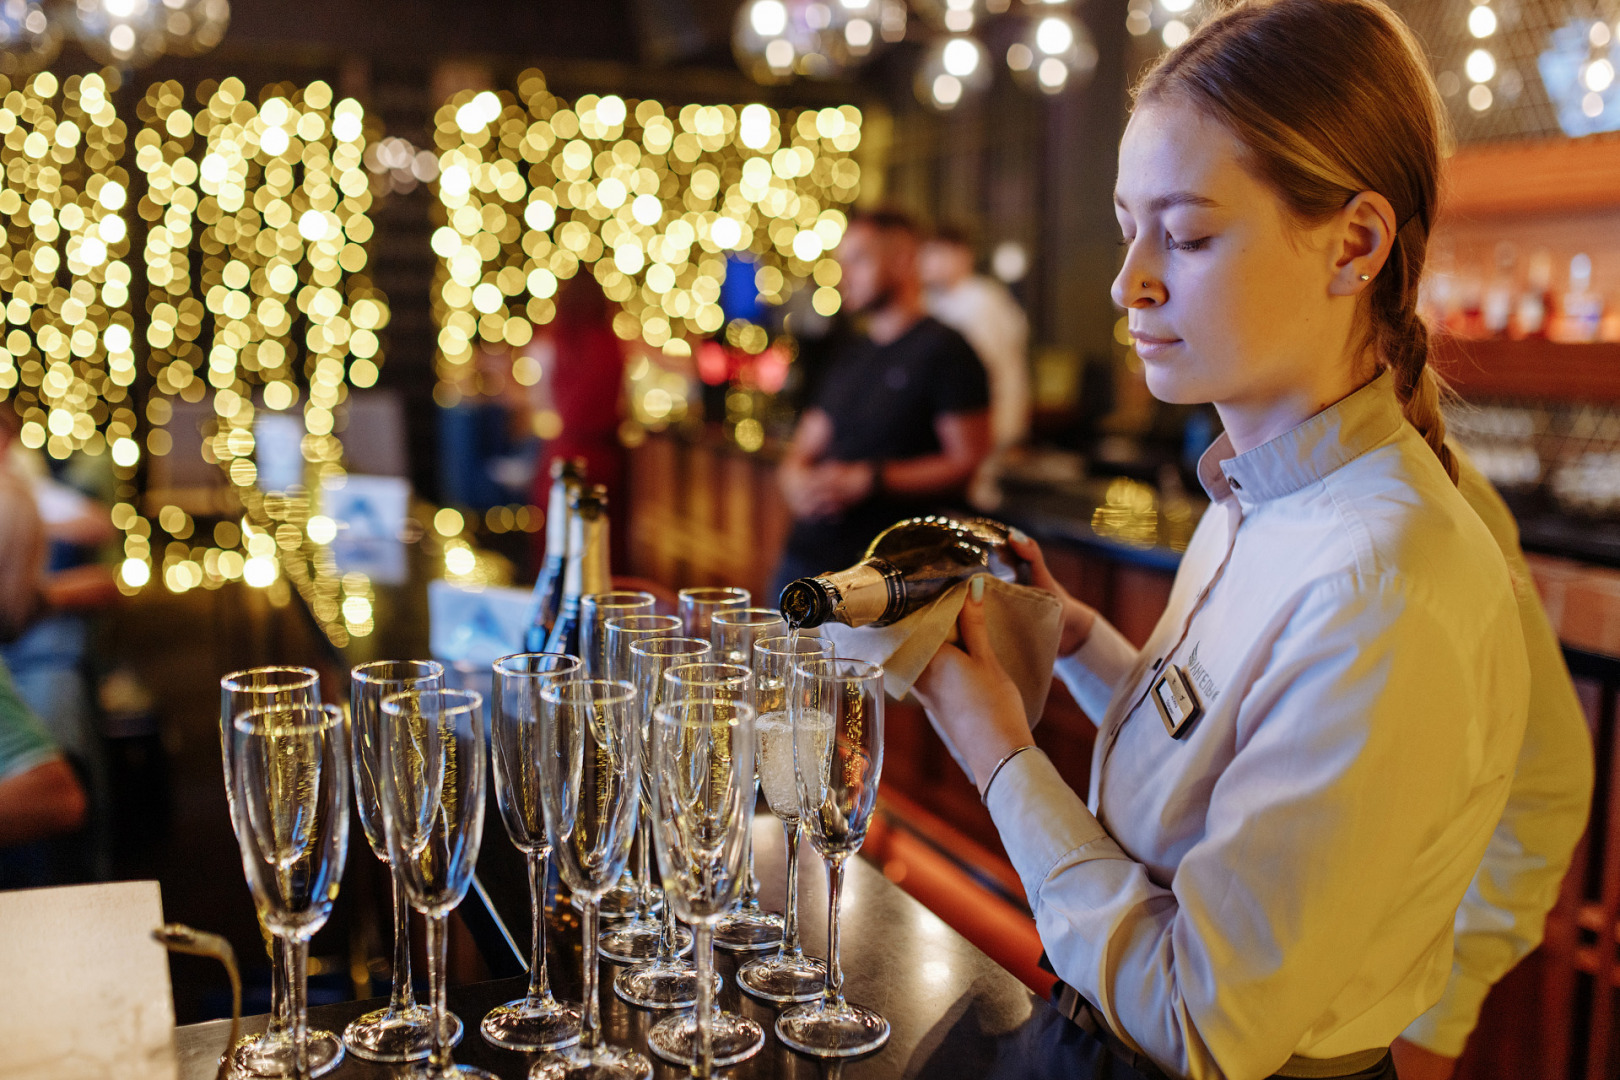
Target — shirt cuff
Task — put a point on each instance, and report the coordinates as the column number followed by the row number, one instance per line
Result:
column 1040, row 817
column 1093, row 670
column 1445, row 1028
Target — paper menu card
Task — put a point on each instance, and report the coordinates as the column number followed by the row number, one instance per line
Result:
column 84, row 988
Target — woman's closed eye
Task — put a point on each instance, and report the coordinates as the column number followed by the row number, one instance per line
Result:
column 1197, row 244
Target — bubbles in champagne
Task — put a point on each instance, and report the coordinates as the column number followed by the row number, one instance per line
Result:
column 774, row 734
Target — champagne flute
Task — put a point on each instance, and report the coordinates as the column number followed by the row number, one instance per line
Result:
column 434, row 764
column 590, row 766
column 837, row 711
column 536, row 1021
column 270, row 1054
column 638, row 938
column 665, row 981
column 595, row 610
column 291, row 807
column 790, row 975
column 697, row 607
column 703, row 799
column 747, row 928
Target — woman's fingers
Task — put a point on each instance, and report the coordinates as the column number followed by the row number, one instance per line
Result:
column 1028, row 550
column 970, row 623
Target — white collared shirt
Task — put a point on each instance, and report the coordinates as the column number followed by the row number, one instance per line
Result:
column 1281, row 879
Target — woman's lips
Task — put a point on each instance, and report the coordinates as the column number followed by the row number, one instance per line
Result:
column 1149, row 346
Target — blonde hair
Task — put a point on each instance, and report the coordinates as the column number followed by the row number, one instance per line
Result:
column 1332, row 98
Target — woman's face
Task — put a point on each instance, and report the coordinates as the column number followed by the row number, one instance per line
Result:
column 1228, row 299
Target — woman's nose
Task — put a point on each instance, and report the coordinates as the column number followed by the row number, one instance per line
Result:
column 1137, row 285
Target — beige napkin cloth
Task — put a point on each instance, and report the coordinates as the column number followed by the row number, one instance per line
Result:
column 1023, row 623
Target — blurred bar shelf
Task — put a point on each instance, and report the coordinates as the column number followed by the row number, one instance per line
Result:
column 1533, row 369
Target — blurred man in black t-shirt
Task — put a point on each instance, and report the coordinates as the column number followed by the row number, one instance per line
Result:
column 899, row 422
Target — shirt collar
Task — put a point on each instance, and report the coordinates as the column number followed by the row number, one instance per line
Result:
column 1304, row 455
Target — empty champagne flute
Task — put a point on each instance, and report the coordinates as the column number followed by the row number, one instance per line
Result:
column 290, row 780
column 703, row 799
column 536, row 1021
column 403, row 1030
column 637, row 938
column 697, row 607
column 434, row 762
column 747, row 927
column 665, row 981
column 590, row 767
column 837, row 712
column 789, row 975
column 270, row 1054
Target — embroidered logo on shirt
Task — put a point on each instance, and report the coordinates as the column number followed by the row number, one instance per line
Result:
column 1200, row 677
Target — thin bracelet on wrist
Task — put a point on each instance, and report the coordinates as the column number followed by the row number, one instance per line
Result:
column 984, row 793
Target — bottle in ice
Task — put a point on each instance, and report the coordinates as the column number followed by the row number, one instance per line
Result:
column 567, row 477
column 588, row 571
column 907, row 566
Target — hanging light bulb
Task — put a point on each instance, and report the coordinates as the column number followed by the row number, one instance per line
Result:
column 954, row 69
column 193, row 27
column 30, row 37
column 121, row 32
column 774, row 40
column 1055, row 53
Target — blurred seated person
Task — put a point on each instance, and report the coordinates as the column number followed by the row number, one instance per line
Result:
column 899, row 422
column 579, row 401
column 982, row 310
column 40, row 795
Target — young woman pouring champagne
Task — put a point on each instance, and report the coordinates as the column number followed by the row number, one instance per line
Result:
column 1296, row 777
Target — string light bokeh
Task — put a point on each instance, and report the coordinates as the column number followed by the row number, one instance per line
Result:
column 650, row 199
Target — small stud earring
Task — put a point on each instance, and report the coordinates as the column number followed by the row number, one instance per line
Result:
column 1366, row 277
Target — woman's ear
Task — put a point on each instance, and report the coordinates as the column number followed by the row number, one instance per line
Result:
column 1366, row 235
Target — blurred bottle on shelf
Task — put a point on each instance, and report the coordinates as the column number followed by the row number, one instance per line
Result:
column 1535, row 305
column 1496, row 309
column 1580, row 315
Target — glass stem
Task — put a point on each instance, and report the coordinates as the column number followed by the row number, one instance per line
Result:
column 539, row 976
column 298, row 1005
column 791, row 949
column 590, row 1017
column 402, row 999
column 750, row 894
column 667, row 940
column 280, row 1025
column 834, row 994
column 439, row 1055
column 644, row 895
column 703, row 952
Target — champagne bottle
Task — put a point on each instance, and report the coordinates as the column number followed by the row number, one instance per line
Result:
column 567, row 475
column 587, row 571
column 908, row 565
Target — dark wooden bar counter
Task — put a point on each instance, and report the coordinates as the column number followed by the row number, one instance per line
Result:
column 954, row 1011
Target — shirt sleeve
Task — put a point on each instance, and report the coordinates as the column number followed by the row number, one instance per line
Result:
column 959, row 380
column 1373, row 733
column 1093, row 670
column 23, row 743
column 1504, row 912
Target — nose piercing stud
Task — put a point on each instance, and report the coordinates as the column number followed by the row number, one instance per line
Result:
column 1146, row 284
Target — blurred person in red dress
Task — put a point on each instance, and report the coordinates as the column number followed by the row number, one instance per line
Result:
column 581, row 400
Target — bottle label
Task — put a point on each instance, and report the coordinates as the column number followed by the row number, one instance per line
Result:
column 863, row 594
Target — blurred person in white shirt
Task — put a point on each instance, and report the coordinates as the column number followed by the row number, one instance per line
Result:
column 982, row 310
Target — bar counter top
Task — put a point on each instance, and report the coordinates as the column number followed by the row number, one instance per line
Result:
column 954, row 1012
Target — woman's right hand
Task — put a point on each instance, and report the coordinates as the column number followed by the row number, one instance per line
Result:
column 1078, row 618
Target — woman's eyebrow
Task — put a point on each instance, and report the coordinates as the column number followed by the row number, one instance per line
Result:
column 1160, row 203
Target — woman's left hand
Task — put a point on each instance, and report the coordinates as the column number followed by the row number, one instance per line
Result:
column 970, row 698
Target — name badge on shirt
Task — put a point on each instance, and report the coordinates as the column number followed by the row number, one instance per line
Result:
column 1176, row 701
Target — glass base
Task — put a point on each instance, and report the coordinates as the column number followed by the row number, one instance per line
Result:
column 825, row 1029
column 749, row 931
column 777, row 978
column 422, row 1071
column 603, row 1063
column 393, row 1037
column 519, row 1026
column 634, row 942
column 735, row 1038
column 259, row 1056
column 660, row 985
